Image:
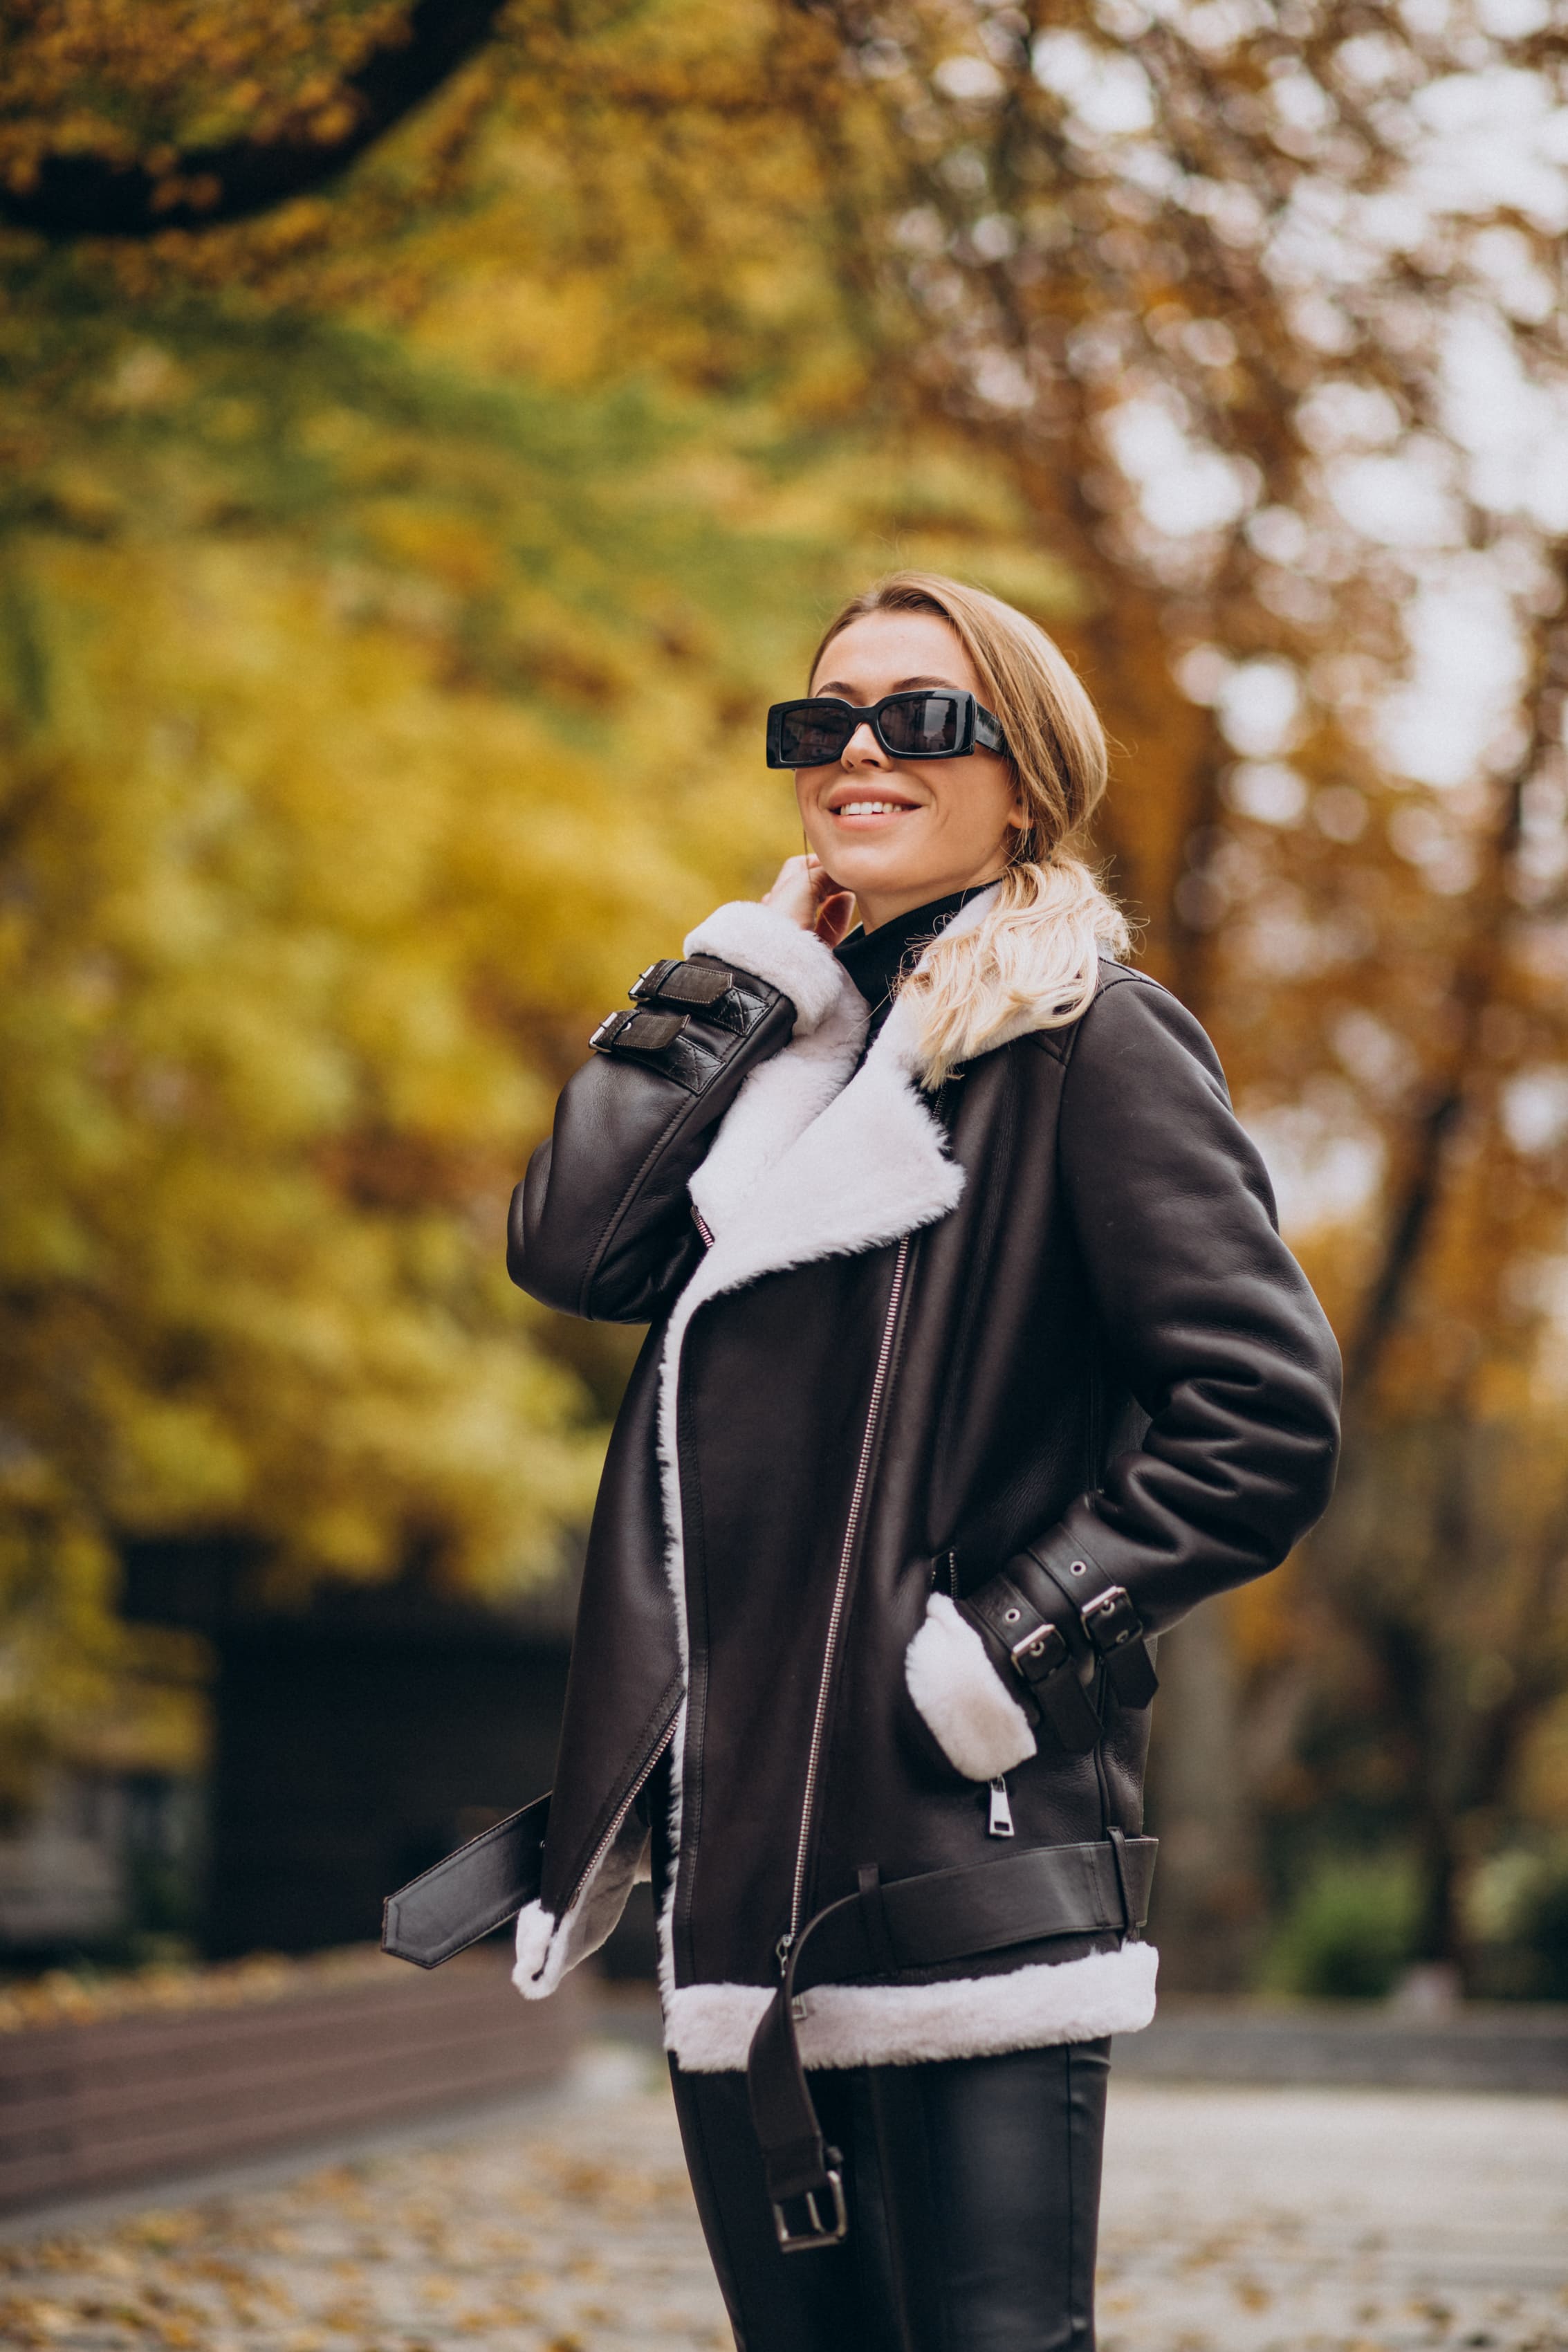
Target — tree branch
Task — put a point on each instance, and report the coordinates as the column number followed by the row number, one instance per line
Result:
column 1476, row 972
column 90, row 196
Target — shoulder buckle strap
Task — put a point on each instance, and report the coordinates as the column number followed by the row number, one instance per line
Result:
column 637, row 1033
column 676, row 980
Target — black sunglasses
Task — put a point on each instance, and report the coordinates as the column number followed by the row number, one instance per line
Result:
column 942, row 723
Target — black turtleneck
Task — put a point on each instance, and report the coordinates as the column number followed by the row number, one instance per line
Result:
column 876, row 961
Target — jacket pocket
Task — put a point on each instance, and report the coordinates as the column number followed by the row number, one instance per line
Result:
column 960, row 1700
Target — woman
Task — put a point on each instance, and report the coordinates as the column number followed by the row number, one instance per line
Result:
column 976, row 1361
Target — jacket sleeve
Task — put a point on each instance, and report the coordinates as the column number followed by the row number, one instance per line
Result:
column 602, row 1225
column 1217, row 1333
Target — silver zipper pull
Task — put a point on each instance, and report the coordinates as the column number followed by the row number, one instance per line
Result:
column 1001, row 1821
column 781, row 1953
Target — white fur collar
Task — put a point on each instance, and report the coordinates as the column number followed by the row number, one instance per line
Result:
column 806, row 1165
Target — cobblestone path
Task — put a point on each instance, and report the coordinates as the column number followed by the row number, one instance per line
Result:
column 1296, row 2220
column 1235, row 2221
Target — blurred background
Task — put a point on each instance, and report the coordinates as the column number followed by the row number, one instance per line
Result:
column 430, row 435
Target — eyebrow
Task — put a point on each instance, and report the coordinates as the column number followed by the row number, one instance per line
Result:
column 837, row 688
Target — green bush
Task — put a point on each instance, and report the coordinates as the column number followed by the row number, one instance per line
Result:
column 1349, row 1932
column 1548, row 1933
column 1518, row 1920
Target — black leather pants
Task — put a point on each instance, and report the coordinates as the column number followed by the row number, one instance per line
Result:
column 973, row 2187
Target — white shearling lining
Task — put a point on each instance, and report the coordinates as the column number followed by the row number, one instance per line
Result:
column 547, row 1947
column 816, row 1159
column 760, row 941
column 777, row 1103
column 537, row 1969
column 708, row 2028
column 974, row 1718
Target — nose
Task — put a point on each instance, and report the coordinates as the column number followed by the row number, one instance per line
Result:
column 862, row 751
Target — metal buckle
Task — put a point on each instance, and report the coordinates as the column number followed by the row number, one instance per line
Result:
column 1110, row 1618
column 608, row 1030
column 647, row 982
column 800, row 2241
column 1047, row 1649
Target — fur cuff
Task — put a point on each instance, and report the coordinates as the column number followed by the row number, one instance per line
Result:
column 541, row 1953
column 768, row 945
column 547, row 1947
column 981, row 1728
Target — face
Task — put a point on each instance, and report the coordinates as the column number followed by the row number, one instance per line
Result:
column 899, row 832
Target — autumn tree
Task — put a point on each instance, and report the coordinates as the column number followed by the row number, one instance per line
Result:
column 390, row 589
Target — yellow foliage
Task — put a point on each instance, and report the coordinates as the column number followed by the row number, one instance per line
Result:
column 384, row 635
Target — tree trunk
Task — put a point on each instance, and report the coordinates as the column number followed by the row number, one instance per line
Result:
column 1208, row 1896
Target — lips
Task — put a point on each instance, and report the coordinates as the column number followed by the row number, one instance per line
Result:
column 863, row 804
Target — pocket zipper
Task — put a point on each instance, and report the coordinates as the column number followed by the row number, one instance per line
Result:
column 1001, row 1821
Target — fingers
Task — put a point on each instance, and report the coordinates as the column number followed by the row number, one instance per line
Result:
column 835, row 915
column 807, row 895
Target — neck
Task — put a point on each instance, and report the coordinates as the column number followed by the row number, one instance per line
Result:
column 880, row 907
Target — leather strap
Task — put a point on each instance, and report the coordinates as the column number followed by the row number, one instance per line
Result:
column 873, row 1914
column 1105, row 1610
column 712, row 991
column 673, row 980
column 940, row 1915
column 469, row 1892
column 637, row 1033
column 1038, row 1653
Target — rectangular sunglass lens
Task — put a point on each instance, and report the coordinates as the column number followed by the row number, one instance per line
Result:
column 922, row 726
column 812, row 734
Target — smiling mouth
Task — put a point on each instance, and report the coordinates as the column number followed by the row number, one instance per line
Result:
column 869, row 807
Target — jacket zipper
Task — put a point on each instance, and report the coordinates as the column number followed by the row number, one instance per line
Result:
column 613, row 1832
column 840, row 1594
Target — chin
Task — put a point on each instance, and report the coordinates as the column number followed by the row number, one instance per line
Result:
column 898, row 881
column 874, row 866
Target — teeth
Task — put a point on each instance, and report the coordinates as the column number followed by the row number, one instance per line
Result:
column 870, row 808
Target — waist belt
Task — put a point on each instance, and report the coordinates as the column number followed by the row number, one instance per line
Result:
column 470, row 1892
column 941, row 1915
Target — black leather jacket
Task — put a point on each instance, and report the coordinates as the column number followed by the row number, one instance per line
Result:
column 909, row 1344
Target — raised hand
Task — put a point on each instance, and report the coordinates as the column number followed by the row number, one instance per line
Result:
column 806, row 892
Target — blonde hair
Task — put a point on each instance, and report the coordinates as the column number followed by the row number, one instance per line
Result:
column 1035, row 950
